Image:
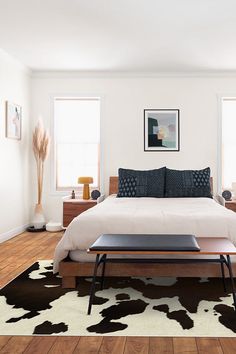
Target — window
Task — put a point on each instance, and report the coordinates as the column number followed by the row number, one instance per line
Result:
column 77, row 137
column 228, row 142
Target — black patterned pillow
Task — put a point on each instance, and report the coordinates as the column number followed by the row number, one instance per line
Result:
column 127, row 187
column 149, row 183
column 188, row 183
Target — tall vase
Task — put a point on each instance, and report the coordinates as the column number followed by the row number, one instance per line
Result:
column 38, row 218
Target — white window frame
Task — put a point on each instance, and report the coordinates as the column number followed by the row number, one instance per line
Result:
column 221, row 97
column 53, row 161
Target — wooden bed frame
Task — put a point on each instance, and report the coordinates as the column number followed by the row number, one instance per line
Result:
column 69, row 269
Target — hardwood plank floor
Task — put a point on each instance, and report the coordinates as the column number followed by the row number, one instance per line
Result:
column 20, row 252
column 209, row 346
column 37, row 343
column 185, row 345
column 16, row 345
column 136, row 345
column 112, row 345
column 161, row 345
column 88, row 345
column 64, row 345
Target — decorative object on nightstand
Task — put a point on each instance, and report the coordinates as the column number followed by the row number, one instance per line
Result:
column 95, row 194
column 86, row 181
column 227, row 195
column 74, row 207
column 73, row 194
column 41, row 144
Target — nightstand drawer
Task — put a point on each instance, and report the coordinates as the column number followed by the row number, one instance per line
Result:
column 231, row 205
column 67, row 220
column 73, row 208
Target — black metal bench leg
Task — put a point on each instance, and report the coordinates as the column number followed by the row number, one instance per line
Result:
column 223, row 271
column 92, row 289
column 231, row 279
column 103, row 270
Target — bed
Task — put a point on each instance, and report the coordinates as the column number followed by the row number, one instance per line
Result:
column 198, row 216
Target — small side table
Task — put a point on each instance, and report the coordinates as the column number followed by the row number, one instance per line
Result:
column 231, row 204
column 74, row 207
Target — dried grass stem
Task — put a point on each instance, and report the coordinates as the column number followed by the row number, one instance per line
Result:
column 41, row 146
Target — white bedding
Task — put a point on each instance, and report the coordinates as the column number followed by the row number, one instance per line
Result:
column 198, row 216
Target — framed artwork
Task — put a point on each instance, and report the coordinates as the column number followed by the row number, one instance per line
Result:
column 161, row 129
column 13, row 120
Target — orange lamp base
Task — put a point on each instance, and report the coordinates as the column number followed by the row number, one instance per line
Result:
column 86, row 194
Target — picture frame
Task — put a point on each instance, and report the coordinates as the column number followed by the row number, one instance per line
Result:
column 13, row 120
column 161, row 130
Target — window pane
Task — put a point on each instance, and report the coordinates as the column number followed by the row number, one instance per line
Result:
column 77, row 140
column 77, row 120
column 228, row 142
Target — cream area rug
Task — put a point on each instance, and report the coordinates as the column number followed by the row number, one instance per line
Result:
column 35, row 303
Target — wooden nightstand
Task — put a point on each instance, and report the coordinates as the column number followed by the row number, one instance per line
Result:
column 74, row 207
column 231, row 204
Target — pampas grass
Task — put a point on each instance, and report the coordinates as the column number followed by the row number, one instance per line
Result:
column 41, row 145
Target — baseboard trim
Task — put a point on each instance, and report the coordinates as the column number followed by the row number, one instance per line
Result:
column 12, row 233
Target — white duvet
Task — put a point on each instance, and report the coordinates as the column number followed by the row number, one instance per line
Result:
column 198, row 216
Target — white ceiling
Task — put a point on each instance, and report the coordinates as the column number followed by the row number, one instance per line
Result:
column 121, row 35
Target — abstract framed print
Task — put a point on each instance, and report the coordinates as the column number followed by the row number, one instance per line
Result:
column 161, row 130
column 13, row 120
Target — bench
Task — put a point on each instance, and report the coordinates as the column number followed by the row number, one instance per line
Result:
column 106, row 246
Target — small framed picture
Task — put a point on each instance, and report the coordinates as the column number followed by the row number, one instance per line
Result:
column 161, row 129
column 13, row 120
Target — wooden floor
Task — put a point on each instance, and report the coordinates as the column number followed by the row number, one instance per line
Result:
column 20, row 252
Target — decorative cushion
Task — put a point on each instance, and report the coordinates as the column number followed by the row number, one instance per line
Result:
column 148, row 183
column 188, row 183
column 127, row 187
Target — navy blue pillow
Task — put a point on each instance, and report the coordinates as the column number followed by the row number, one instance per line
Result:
column 188, row 183
column 150, row 183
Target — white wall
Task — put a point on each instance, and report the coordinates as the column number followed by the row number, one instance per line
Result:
column 123, row 101
column 14, row 154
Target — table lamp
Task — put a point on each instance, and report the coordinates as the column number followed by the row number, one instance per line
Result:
column 85, row 181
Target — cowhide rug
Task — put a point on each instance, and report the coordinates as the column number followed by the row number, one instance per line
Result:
column 35, row 303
